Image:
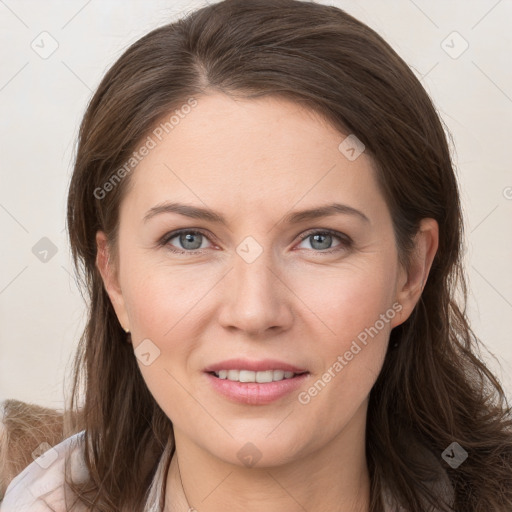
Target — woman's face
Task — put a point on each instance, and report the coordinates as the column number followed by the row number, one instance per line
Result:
column 250, row 287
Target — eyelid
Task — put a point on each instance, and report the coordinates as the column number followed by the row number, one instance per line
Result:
column 333, row 232
column 345, row 239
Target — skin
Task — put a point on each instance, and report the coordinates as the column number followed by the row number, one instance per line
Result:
column 254, row 161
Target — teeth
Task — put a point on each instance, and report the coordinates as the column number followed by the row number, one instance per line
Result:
column 250, row 376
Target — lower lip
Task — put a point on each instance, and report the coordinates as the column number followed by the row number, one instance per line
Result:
column 254, row 393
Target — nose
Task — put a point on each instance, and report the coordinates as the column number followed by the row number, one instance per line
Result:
column 256, row 297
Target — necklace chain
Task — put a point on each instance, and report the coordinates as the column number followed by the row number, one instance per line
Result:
column 189, row 509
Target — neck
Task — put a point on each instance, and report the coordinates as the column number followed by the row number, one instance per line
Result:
column 334, row 478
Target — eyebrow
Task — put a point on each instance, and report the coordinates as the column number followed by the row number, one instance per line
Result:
column 207, row 214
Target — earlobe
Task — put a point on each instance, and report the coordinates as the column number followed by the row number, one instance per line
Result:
column 110, row 279
column 413, row 280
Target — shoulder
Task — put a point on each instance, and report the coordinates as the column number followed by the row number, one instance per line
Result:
column 41, row 485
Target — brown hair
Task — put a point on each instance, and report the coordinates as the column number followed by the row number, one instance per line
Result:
column 434, row 388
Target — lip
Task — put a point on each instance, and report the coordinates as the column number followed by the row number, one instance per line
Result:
column 255, row 366
column 254, row 393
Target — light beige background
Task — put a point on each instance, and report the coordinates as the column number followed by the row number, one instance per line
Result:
column 42, row 101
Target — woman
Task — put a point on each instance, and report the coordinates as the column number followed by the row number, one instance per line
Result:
column 268, row 223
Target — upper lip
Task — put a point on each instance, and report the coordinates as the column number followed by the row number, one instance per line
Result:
column 255, row 366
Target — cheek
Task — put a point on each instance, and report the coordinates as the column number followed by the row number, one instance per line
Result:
column 350, row 355
column 164, row 307
column 352, row 316
column 348, row 299
column 162, row 298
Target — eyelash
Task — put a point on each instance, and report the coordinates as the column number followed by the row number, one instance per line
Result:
column 346, row 241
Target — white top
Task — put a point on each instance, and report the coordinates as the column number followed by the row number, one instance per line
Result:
column 40, row 487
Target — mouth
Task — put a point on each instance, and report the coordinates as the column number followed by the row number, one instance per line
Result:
column 250, row 387
column 255, row 382
column 260, row 377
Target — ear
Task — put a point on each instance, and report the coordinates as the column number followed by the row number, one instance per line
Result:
column 109, row 274
column 412, row 280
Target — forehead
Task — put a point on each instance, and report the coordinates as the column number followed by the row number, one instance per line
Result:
column 244, row 154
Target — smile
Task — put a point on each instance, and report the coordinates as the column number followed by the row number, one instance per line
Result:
column 252, row 376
